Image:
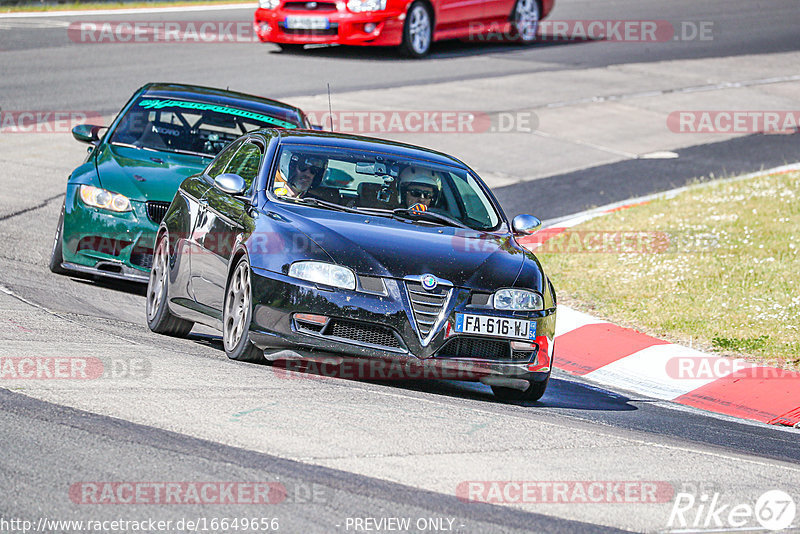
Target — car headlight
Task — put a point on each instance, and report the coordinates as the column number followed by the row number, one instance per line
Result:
column 268, row 4
column 103, row 199
column 324, row 273
column 358, row 6
column 518, row 300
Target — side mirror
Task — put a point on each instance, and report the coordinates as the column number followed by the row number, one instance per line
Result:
column 230, row 183
column 525, row 224
column 87, row 133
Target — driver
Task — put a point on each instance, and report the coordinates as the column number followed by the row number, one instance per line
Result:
column 305, row 172
column 418, row 186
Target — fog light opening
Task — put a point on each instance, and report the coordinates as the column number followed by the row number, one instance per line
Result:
column 369, row 27
column 320, row 320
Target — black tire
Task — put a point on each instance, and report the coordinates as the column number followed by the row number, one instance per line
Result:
column 525, row 19
column 533, row 393
column 56, row 257
column 290, row 48
column 237, row 314
column 159, row 319
column 417, row 31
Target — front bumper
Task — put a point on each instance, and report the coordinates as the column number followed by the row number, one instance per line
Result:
column 391, row 330
column 344, row 27
column 106, row 243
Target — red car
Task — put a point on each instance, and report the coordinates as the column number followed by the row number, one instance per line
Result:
column 411, row 24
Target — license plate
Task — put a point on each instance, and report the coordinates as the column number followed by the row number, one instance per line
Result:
column 307, row 23
column 486, row 325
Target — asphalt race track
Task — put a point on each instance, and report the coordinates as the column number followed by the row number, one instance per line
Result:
column 346, row 449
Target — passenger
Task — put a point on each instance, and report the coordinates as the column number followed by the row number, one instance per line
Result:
column 418, row 186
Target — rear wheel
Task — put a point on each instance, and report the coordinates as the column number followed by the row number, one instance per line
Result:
column 533, row 393
column 237, row 314
column 56, row 257
column 159, row 319
column 417, row 31
column 525, row 20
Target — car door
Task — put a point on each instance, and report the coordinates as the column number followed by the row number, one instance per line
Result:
column 451, row 14
column 497, row 11
column 224, row 218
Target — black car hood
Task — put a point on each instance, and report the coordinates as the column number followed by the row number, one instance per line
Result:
column 396, row 249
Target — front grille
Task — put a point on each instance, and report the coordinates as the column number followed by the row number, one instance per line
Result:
column 482, row 349
column 363, row 333
column 426, row 305
column 333, row 30
column 142, row 256
column 310, row 6
column 156, row 210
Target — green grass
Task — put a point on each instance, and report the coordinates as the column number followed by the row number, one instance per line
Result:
column 72, row 6
column 718, row 268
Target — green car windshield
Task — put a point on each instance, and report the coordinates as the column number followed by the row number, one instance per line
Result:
column 187, row 127
column 383, row 184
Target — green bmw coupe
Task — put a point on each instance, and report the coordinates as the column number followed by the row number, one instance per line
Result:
column 116, row 199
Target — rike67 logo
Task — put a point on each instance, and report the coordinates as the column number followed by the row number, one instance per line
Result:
column 773, row 510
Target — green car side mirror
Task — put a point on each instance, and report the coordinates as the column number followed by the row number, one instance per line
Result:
column 86, row 133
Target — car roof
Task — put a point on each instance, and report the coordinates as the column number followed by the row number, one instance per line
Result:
column 360, row 142
column 222, row 97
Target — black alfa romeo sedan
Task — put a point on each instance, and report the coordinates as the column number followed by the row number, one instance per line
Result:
column 308, row 243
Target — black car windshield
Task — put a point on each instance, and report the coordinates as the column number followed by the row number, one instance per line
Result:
column 383, row 184
column 184, row 126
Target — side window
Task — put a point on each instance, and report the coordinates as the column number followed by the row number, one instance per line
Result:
column 475, row 206
column 246, row 163
column 221, row 161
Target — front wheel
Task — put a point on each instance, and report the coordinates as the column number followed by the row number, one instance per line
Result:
column 56, row 256
column 533, row 393
column 417, row 31
column 159, row 319
column 525, row 20
column 237, row 314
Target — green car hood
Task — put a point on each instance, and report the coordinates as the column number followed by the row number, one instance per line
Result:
column 145, row 174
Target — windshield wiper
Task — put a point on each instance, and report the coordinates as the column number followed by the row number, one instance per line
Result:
column 184, row 152
column 430, row 216
column 172, row 150
column 320, row 203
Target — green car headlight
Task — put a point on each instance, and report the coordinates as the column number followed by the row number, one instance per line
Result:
column 324, row 273
column 360, row 6
column 518, row 300
column 103, row 199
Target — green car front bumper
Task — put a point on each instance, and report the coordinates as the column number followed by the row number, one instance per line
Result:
column 108, row 243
